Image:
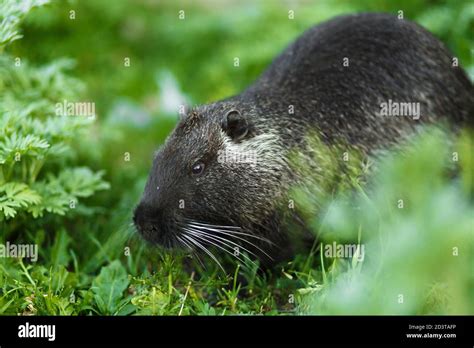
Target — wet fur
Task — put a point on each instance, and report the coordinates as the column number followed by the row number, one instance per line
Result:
column 388, row 59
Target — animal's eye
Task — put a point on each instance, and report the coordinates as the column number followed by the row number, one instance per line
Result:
column 197, row 168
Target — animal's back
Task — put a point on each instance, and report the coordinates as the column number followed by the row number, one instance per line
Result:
column 338, row 74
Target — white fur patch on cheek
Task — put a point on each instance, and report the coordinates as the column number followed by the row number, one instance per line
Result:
column 262, row 150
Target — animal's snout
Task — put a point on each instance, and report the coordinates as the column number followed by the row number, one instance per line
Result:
column 148, row 221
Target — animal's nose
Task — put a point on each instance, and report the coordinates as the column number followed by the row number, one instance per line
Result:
column 147, row 220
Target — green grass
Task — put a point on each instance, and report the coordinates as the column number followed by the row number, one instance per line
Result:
column 90, row 259
column 409, row 252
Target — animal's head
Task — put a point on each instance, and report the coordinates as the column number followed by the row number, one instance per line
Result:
column 216, row 175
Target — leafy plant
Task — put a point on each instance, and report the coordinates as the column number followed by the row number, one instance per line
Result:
column 11, row 13
column 108, row 288
column 416, row 232
column 37, row 145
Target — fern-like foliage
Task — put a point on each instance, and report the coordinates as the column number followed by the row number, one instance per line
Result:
column 11, row 13
column 37, row 146
column 16, row 195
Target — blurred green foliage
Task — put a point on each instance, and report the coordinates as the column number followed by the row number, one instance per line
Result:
column 91, row 262
column 416, row 231
column 199, row 50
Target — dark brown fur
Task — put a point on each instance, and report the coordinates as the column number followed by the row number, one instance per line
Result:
column 389, row 59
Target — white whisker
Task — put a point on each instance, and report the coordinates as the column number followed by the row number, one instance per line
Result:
column 192, row 250
column 203, row 248
column 232, row 234
column 215, row 226
column 224, row 240
column 217, row 239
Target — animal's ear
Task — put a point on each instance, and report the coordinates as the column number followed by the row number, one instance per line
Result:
column 235, row 125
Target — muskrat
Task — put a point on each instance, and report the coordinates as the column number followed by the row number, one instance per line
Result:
column 217, row 179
